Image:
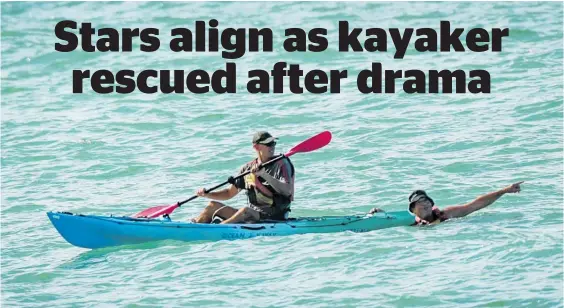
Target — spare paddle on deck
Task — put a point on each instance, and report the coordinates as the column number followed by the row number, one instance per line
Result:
column 316, row 142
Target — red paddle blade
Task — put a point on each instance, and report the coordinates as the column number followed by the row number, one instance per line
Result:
column 156, row 211
column 316, row 142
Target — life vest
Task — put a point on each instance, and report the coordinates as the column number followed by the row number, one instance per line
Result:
column 263, row 194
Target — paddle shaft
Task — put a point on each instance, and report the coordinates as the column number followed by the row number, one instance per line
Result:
column 277, row 158
column 314, row 143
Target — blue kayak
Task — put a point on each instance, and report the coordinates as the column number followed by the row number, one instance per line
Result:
column 91, row 231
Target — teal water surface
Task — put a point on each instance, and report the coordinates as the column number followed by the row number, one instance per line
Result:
column 119, row 154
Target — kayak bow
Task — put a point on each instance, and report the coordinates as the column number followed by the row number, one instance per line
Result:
column 91, row 231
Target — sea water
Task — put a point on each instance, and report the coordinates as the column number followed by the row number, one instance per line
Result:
column 122, row 153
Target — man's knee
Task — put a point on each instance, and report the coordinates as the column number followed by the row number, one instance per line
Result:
column 250, row 213
column 243, row 211
column 214, row 205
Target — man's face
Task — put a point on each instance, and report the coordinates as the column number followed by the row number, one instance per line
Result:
column 265, row 148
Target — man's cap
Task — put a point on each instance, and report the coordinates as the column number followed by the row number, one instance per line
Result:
column 263, row 138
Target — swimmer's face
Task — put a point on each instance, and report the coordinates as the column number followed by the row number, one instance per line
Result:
column 423, row 208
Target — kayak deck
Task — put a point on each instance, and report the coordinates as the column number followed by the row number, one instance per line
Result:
column 92, row 231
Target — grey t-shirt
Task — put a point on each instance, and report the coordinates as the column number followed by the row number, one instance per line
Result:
column 262, row 194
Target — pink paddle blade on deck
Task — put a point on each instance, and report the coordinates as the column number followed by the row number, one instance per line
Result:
column 156, row 211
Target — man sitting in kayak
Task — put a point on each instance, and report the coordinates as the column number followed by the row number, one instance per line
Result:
column 425, row 211
column 270, row 189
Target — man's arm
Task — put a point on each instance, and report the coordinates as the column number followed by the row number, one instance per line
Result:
column 224, row 194
column 282, row 181
column 480, row 202
column 283, row 188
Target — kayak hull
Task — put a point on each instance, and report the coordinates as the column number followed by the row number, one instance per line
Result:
column 92, row 232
